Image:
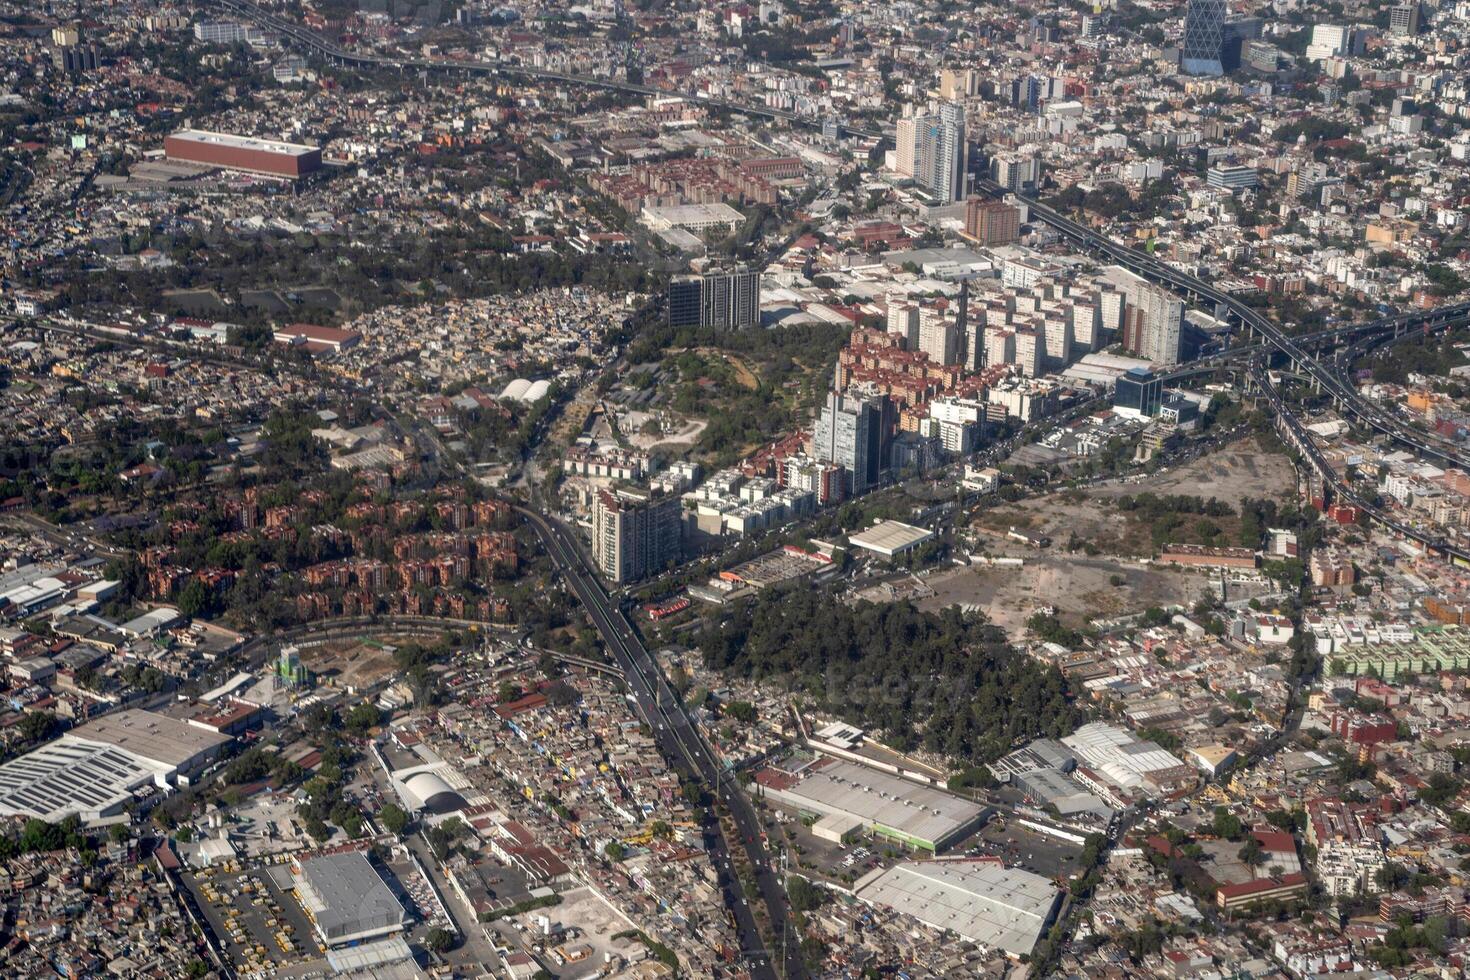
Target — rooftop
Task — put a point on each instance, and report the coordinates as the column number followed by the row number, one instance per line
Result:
column 154, row 737
column 915, row 811
column 347, row 897
column 244, row 142
column 890, row 537
column 983, row 902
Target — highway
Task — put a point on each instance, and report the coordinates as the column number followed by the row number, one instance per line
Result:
column 335, row 52
column 1328, row 380
column 1295, row 434
column 1329, row 376
column 678, row 737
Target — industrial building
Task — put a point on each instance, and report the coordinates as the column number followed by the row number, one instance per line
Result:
column 346, row 897
column 94, row 770
column 890, row 538
column 1126, row 761
column 271, row 158
column 887, row 806
column 979, row 901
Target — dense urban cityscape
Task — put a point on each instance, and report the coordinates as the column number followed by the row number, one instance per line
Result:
column 772, row 489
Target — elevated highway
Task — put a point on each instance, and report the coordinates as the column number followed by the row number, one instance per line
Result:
column 1272, row 339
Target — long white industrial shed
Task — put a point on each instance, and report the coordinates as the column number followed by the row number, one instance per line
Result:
column 94, row 770
column 981, row 901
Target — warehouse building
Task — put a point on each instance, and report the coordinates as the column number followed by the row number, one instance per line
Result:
column 347, row 898
column 1128, row 762
column 886, row 806
column 246, row 154
column 889, row 539
column 979, row 901
column 93, row 771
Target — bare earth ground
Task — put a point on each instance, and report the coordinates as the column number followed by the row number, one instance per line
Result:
column 1080, row 587
column 1238, row 470
column 354, row 663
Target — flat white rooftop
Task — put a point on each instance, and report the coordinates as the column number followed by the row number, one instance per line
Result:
column 245, row 142
column 156, row 738
column 877, row 798
column 979, row 901
column 68, row 776
column 890, row 538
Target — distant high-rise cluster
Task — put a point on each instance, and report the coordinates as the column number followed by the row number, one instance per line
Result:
column 716, row 299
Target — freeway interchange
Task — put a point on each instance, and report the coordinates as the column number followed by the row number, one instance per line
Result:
column 1327, row 375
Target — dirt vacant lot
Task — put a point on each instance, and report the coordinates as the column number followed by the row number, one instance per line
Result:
column 1240, row 470
column 1079, row 588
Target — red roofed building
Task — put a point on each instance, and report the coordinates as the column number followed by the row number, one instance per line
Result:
column 1284, row 889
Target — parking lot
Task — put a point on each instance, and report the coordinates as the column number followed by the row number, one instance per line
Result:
column 1042, row 854
column 416, row 895
column 260, row 927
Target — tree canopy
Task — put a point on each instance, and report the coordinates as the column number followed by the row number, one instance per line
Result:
column 945, row 681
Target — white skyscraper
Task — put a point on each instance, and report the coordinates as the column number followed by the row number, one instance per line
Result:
column 941, row 156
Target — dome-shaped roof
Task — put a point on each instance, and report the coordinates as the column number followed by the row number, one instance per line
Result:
column 536, row 391
column 516, row 389
column 437, row 795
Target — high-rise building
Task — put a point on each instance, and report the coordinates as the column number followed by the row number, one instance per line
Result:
column 1261, row 56
column 219, row 32
column 1153, row 324
column 1025, row 92
column 849, row 432
column 1138, row 394
column 1403, row 20
column 1212, row 43
column 941, row 155
column 904, row 136
column 1029, row 349
column 1203, row 51
column 1085, row 324
column 938, row 337
column 957, row 84
column 634, row 533
column 731, row 299
column 992, row 222
column 1329, row 41
column 1231, row 178
column 973, row 356
column 1019, row 172
column 903, row 321
column 1110, row 304
column 77, row 58
column 716, row 299
column 684, row 303
column 1057, row 333
column 1000, row 347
